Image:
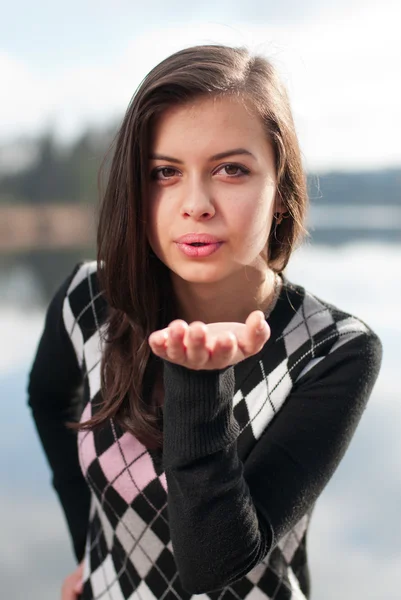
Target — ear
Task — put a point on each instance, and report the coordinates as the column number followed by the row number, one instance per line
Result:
column 279, row 206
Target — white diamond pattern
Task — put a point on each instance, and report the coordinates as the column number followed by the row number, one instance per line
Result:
column 146, row 555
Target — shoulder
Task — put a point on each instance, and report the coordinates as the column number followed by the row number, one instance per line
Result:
column 305, row 329
column 305, row 315
column 84, row 306
column 84, row 276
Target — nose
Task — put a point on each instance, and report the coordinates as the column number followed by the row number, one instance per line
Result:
column 198, row 202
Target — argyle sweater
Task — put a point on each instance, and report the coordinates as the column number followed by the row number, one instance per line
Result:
column 223, row 509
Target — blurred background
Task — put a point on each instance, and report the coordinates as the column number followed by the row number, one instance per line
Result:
column 68, row 72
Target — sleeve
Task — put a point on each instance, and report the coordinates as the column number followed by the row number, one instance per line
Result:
column 54, row 396
column 224, row 516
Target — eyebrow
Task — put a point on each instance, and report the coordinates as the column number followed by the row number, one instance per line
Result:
column 220, row 155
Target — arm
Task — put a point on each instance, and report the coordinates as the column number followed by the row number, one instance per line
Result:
column 54, row 398
column 225, row 517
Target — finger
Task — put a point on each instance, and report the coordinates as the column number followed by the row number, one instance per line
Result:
column 158, row 342
column 197, row 353
column 67, row 590
column 257, row 332
column 225, row 348
column 78, row 587
column 175, row 347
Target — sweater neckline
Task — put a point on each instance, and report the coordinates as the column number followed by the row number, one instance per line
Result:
column 286, row 304
column 278, row 284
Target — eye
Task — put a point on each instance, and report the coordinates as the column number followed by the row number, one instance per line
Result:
column 233, row 170
column 163, row 173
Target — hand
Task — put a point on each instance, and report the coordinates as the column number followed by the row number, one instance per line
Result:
column 72, row 585
column 213, row 346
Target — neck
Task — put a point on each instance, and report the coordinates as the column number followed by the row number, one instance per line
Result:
column 225, row 301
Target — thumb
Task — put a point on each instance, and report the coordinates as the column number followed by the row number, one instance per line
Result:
column 78, row 585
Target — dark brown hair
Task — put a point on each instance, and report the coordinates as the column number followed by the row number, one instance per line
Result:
column 135, row 282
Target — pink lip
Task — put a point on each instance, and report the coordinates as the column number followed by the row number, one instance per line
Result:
column 202, row 238
column 199, row 251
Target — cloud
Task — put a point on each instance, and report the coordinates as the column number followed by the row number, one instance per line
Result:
column 339, row 66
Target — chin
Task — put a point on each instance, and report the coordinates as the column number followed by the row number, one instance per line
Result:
column 200, row 273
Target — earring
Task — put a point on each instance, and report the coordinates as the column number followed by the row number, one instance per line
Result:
column 280, row 216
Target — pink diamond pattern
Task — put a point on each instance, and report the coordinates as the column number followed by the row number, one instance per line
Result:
column 125, row 463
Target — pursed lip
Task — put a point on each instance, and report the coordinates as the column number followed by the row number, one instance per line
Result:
column 198, row 238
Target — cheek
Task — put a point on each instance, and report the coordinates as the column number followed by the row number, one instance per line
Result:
column 264, row 209
column 159, row 217
column 152, row 226
column 253, row 218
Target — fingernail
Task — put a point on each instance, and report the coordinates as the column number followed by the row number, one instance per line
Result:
column 261, row 325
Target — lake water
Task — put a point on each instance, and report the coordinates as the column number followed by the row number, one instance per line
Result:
column 354, row 542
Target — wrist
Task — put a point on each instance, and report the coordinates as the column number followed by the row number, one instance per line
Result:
column 198, row 414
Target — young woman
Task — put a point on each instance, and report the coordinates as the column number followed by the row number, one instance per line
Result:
column 213, row 398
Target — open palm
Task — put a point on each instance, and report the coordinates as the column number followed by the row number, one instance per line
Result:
column 210, row 346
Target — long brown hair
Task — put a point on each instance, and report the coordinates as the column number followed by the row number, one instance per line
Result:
column 135, row 282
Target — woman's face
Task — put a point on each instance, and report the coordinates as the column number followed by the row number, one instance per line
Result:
column 211, row 171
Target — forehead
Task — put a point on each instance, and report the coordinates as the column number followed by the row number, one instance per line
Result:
column 208, row 122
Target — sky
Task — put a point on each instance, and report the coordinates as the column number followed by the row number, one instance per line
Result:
column 68, row 66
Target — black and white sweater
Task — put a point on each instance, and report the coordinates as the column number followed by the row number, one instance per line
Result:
column 224, row 509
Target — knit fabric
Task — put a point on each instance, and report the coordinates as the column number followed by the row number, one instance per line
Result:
column 222, row 512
